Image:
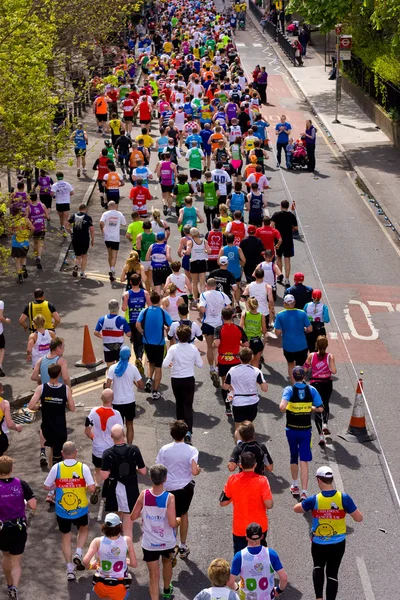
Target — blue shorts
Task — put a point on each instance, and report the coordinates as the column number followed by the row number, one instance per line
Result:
column 300, row 442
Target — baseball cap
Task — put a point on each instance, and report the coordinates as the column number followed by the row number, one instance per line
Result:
column 251, row 229
column 160, row 235
column 324, row 472
column 298, row 373
column 223, row 260
column 112, row 520
column 298, row 276
column 254, row 531
column 253, row 158
column 289, row 299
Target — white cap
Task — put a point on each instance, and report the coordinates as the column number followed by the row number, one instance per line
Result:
column 289, row 299
column 112, row 520
column 223, row 260
column 324, row 472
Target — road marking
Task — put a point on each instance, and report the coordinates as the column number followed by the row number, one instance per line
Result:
column 333, row 335
column 88, row 596
column 100, row 511
column 98, row 276
column 257, row 45
column 387, row 305
column 240, row 45
column 95, row 387
column 346, row 336
column 365, row 580
column 349, row 320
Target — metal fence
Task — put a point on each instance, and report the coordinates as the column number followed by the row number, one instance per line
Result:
column 286, row 45
column 274, row 32
column 383, row 92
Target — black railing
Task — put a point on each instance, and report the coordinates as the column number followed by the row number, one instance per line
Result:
column 286, row 45
column 274, row 32
column 383, row 92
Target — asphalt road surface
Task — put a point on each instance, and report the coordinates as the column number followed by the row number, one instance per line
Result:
column 342, row 250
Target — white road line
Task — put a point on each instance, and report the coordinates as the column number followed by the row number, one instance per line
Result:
column 257, row 45
column 87, row 596
column 333, row 335
column 100, row 511
column 240, row 45
column 346, row 336
column 365, row 580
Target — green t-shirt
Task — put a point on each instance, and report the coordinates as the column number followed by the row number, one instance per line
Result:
column 210, row 194
column 147, row 240
column 183, row 191
column 134, row 229
column 174, row 21
column 253, row 325
column 110, row 153
column 195, row 158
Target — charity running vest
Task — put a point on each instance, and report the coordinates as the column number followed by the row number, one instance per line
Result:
column 257, row 576
column 253, row 325
column 112, row 557
column 71, row 499
column 210, row 194
column 136, row 302
column 329, row 519
column 157, row 532
column 298, row 410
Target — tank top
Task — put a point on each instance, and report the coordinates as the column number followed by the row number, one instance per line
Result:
column 259, row 292
column 41, row 347
column 195, row 159
column 232, row 253
column 111, row 334
column 112, row 557
column 239, row 231
column 12, row 505
column 198, row 251
column 214, row 240
column 320, row 368
column 147, row 240
column 183, row 191
column 218, row 593
column 315, row 311
column 71, row 499
column 189, row 216
column 256, row 204
column 236, row 152
column 44, row 365
column 257, row 575
column 79, row 139
column 253, row 325
column 156, row 227
column 113, row 180
column 159, row 256
column 136, row 302
column 166, row 173
column 172, row 309
column 180, row 282
column 37, row 218
column 53, row 403
column 210, row 194
column 157, row 533
column 44, row 185
column 269, row 273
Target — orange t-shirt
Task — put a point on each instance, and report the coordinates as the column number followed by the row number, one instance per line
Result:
column 134, row 157
column 100, row 105
column 247, row 490
column 214, row 139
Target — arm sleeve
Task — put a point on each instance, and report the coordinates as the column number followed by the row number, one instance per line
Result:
column 244, row 336
column 325, row 314
column 275, row 560
column 228, row 378
column 52, row 308
column 236, row 565
column 106, row 461
column 28, row 492
column 260, row 378
column 348, row 503
column 277, row 323
column 267, row 457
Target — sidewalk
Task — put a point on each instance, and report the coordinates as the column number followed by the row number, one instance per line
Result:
column 369, row 151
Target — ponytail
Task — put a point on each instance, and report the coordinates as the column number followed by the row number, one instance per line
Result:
column 321, row 345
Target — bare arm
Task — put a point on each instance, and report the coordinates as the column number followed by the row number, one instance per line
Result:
column 7, row 417
column 93, row 549
column 70, row 402
column 34, row 401
column 64, row 371
column 357, row 516
column 173, row 520
column 332, row 364
column 137, row 509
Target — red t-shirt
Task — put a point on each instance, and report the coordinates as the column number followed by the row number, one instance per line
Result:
column 139, row 196
column 134, row 96
column 113, row 95
column 230, row 336
column 144, row 111
column 268, row 236
column 127, row 106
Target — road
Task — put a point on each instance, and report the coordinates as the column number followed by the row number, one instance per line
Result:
column 342, row 250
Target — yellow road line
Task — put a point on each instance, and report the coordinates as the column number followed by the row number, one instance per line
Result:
column 98, row 386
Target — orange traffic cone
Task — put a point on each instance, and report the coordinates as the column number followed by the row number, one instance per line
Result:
column 88, row 357
column 357, row 430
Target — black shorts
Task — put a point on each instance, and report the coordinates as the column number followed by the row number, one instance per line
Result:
column 19, row 252
column 13, row 540
column 80, row 151
column 46, row 199
column 153, row 555
column 195, row 173
column 112, row 245
column 65, row 525
column 183, row 498
column 212, row 265
column 38, row 235
column 128, row 118
column 256, row 345
column 223, row 369
column 80, row 248
column 160, row 275
column 96, row 461
column 198, row 266
column 102, row 117
column 207, row 329
column 4, row 443
column 2, row 341
column 255, row 220
column 54, row 441
column 296, row 357
column 144, row 121
column 64, row 207
column 167, row 188
column 128, row 411
column 244, row 413
column 111, row 356
column 286, row 249
column 112, row 196
column 155, row 354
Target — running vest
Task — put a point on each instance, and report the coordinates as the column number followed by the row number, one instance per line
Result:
column 147, row 240
column 102, row 167
column 256, row 205
column 221, row 155
column 198, row 251
column 71, row 499
column 157, row 533
column 236, row 153
column 320, row 367
column 314, row 312
column 298, row 410
column 253, row 325
column 329, row 519
column 234, row 132
column 218, row 593
column 214, row 240
column 79, row 139
column 269, row 273
column 210, row 194
column 166, row 173
column 110, row 333
column 183, row 191
column 195, row 159
column 112, row 557
column 239, row 231
column 259, row 292
column 37, row 218
column 232, row 253
column 180, row 281
column 159, row 256
column 44, row 185
column 100, row 106
column 44, row 366
column 136, row 302
column 41, row 308
column 189, row 216
column 237, row 202
column 205, row 113
column 260, row 156
column 172, row 309
column 41, row 347
column 257, row 575
column 112, row 182
column 12, row 505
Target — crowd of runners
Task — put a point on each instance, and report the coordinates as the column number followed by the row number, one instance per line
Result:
column 195, row 108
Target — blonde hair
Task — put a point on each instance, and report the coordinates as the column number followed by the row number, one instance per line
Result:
column 39, row 321
column 194, row 232
column 172, row 288
column 132, row 263
column 252, row 303
column 156, row 215
column 223, row 209
column 219, row 572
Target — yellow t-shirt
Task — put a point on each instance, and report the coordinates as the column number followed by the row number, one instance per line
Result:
column 147, row 139
column 168, row 47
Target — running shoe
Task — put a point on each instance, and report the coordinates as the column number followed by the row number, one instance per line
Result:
column 169, row 212
column 50, row 498
column 294, row 490
column 77, row 560
column 24, row 272
column 238, row 310
column 228, row 409
column 215, row 378
column 184, row 552
column 325, row 429
column 2, row 374
column 84, row 172
column 111, row 276
column 78, row 173
column 43, row 459
column 321, row 440
column 287, row 282
column 71, row 575
column 303, row 496
column 20, row 279
column 139, row 366
column 75, row 271
column 165, row 210
column 156, row 395
column 38, row 263
column 147, row 385
column 188, row 438
column 280, row 278
column 94, row 498
column 82, row 275
column 13, row 592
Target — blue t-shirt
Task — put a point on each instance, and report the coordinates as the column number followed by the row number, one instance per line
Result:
column 283, row 137
column 194, row 137
column 309, row 504
column 153, row 330
column 261, row 127
column 236, row 566
column 288, row 393
column 292, row 323
column 205, row 135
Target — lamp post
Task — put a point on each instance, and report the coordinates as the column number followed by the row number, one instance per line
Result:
column 338, row 30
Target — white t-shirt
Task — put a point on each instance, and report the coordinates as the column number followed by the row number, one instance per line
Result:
column 62, row 190
column 183, row 357
column 214, row 301
column 222, row 178
column 177, row 457
column 123, row 387
column 195, row 328
column 113, row 220
column 244, row 380
column 101, row 419
column 69, row 462
column 1, row 324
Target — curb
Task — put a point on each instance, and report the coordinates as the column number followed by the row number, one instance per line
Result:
column 361, row 180
column 89, row 375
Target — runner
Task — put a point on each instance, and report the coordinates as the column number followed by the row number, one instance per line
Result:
column 252, row 249
column 167, row 173
column 286, row 223
column 198, row 249
column 171, row 301
column 236, row 262
column 6, row 423
column 247, row 443
column 209, row 191
column 111, row 329
column 113, row 182
column 38, row 214
column 110, row 226
column 39, row 306
column 143, row 242
column 43, row 184
column 100, row 108
column 101, row 165
column 80, row 139
column 39, row 341
column 254, row 324
column 62, row 192
column 301, row 293
column 318, row 315
column 21, row 229
column 134, row 300
column 218, row 573
column 214, row 239
column 293, row 325
column 136, row 227
column 159, row 255
column 81, row 227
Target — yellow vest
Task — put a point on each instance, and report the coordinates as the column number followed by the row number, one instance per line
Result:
column 71, row 499
column 41, row 308
column 329, row 519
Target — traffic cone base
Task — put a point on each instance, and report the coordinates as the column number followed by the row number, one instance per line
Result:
column 357, row 430
column 89, row 360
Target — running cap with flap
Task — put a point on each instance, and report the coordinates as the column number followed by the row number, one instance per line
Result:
column 324, row 472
